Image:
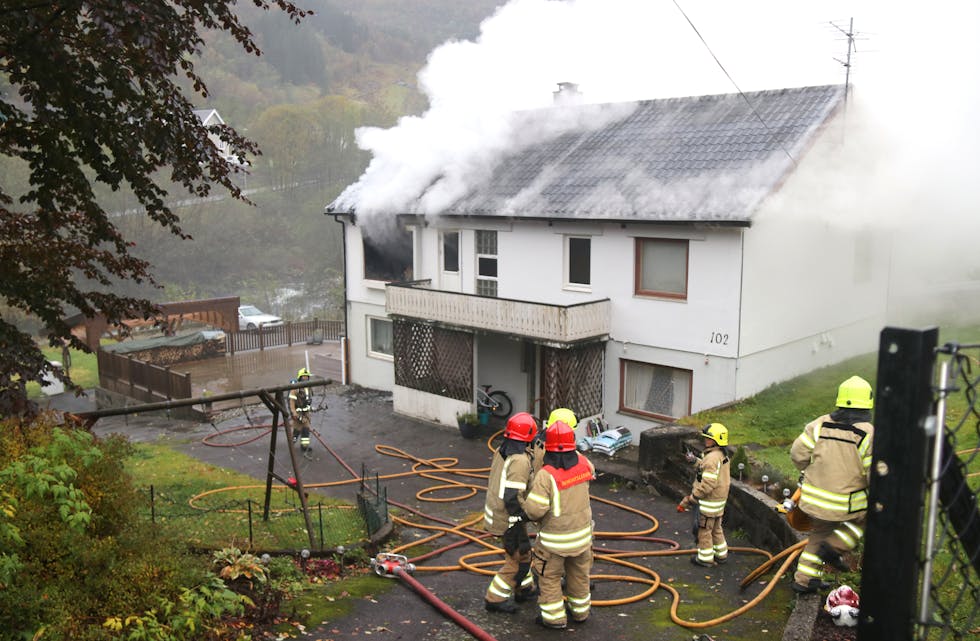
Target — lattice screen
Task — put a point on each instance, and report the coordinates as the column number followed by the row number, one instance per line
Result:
column 433, row 359
column 572, row 378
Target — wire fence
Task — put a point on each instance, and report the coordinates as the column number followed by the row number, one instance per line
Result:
column 921, row 568
column 950, row 562
column 243, row 523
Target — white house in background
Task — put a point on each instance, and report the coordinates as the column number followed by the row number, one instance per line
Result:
column 210, row 117
column 670, row 260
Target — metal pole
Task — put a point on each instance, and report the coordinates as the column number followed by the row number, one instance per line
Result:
column 935, row 427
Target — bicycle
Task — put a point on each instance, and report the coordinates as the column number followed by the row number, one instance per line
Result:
column 496, row 403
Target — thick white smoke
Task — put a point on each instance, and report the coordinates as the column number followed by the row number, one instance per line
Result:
column 914, row 71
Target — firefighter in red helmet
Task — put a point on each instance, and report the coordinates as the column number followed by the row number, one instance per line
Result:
column 503, row 514
column 559, row 502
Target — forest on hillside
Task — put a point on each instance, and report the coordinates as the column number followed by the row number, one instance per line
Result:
column 353, row 63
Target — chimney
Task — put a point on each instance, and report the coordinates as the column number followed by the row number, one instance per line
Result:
column 567, row 94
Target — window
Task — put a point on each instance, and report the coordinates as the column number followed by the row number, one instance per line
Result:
column 388, row 257
column 661, row 267
column 450, row 251
column 654, row 390
column 578, row 262
column 486, row 263
column 380, row 337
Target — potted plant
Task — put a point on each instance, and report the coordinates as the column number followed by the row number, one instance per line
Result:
column 469, row 424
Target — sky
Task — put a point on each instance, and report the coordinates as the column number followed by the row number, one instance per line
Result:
column 915, row 77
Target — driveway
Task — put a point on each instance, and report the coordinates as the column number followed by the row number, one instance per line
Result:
column 356, row 422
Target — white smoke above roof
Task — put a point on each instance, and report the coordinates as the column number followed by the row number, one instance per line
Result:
column 915, row 69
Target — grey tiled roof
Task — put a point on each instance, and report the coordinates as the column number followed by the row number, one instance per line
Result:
column 707, row 158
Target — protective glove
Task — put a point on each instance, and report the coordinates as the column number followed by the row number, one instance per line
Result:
column 520, row 517
column 511, row 540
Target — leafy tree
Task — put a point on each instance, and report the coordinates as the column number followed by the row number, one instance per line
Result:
column 91, row 99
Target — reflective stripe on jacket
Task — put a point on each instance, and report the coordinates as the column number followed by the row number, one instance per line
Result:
column 513, row 473
column 564, row 515
column 713, row 482
column 835, row 459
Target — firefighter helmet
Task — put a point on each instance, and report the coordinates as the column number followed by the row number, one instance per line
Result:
column 559, row 438
column 521, row 427
column 564, row 415
column 855, row 392
column 717, row 433
column 302, row 372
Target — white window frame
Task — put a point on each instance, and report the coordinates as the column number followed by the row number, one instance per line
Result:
column 371, row 351
column 683, row 403
column 567, row 265
column 442, row 251
column 494, row 257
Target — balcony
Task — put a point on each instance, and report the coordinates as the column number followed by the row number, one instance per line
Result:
column 555, row 324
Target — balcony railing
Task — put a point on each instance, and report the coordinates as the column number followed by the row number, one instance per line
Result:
column 542, row 321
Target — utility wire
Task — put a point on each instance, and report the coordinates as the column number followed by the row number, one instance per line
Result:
column 734, row 84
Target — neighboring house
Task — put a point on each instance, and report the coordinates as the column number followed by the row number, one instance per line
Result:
column 670, row 260
column 210, row 117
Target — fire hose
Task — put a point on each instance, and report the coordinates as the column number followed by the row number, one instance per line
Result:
column 397, row 566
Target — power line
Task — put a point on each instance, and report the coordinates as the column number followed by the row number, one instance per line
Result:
column 734, row 84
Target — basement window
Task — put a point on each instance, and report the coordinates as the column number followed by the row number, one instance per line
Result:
column 578, row 263
column 380, row 338
column 654, row 391
column 388, row 256
column 661, row 268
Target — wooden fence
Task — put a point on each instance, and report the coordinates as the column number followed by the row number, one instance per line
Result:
column 139, row 380
column 312, row 332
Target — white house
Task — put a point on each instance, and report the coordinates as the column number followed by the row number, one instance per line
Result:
column 669, row 259
column 209, row 117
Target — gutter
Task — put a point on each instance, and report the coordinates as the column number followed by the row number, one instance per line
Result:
column 345, row 374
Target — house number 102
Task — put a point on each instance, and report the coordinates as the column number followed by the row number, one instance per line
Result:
column 719, row 339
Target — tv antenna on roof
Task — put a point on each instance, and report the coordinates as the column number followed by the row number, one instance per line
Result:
column 851, row 48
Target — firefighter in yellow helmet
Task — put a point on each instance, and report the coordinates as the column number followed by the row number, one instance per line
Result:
column 300, row 406
column 503, row 514
column 562, row 414
column 559, row 502
column 834, row 456
column 710, row 493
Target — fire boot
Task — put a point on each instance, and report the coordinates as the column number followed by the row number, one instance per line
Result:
column 833, row 558
column 507, row 606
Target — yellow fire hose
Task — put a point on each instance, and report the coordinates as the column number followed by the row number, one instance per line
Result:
column 441, row 470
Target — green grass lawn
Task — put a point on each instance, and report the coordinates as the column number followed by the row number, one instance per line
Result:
column 84, row 370
column 221, row 518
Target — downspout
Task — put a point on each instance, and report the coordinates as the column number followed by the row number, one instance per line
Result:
column 345, row 373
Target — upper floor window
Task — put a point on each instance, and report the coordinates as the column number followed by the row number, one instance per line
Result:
column 654, row 390
column 486, row 262
column 450, row 251
column 661, row 267
column 578, row 262
column 389, row 256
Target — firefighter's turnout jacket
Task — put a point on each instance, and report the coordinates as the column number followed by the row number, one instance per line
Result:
column 559, row 501
column 712, row 482
column 511, row 473
column 834, row 458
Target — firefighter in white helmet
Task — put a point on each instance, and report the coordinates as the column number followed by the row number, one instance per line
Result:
column 710, row 493
column 559, row 501
column 503, row 514
column 834, row 455
column 300, row 406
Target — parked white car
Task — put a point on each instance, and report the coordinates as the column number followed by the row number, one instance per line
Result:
column 251, row 317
